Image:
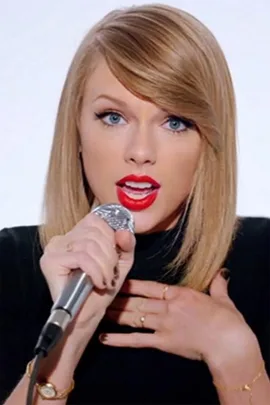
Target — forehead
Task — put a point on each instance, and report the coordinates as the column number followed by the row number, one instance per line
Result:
column 102, row 81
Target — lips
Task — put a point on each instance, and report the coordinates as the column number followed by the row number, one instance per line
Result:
column 138, row 179
column 137, row 192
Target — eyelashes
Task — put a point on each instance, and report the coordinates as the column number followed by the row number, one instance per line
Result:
column 107, row 113
column 185, row 123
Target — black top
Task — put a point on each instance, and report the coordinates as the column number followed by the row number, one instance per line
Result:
column 124, row 375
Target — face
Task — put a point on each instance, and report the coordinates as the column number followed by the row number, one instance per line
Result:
column 135, row 153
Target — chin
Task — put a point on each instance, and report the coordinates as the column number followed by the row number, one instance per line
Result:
column 146, row 222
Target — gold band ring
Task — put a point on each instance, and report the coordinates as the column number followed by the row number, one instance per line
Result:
column 142, row 319
column 165, row 289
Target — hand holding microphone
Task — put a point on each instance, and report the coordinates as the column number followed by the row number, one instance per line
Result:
column 86, row 267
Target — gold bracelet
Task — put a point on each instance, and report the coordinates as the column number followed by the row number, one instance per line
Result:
column 246, row 387
column 48, row 390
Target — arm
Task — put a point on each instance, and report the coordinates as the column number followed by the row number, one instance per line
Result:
column 237, row 370
column 246, row 364
column 58, row 368
column 56, row 264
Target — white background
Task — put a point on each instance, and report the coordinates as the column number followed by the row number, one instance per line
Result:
column 37, row 42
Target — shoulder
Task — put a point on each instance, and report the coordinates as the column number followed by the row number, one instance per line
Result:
column 19, row 247
column 20, row 273
column 251, row 228
column 249, row 286
column 252, row 241
column 248, row 262
column 19, row 236
column 24, row 301
column 19, row 243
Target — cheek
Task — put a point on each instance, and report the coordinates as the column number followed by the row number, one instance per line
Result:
column 97, row 151
column 184, row 162
column 99, row 157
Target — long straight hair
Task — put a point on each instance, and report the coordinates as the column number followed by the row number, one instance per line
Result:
column 166, row 56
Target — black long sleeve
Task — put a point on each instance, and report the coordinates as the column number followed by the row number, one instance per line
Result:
column 126, row 375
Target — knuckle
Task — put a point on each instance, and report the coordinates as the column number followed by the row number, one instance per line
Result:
column 55, row 239
column 55, row 244
column 47, row 262
column 135, row 322
column 103, row 225
column 89, row 218
column 94, row 232
column 43, row 261
column 141, row 305
column 51, row 244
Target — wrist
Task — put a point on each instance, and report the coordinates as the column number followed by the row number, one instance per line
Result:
column 229, row 344
column 59, row 366
column 233, row 361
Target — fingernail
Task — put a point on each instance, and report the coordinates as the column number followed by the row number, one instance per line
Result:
column 103, row 338
column 118, row 250
column 116, row 273
column 225, row 274
column 113, row 283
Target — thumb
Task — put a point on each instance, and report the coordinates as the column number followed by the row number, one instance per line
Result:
column 219, row 286
column 125, row 242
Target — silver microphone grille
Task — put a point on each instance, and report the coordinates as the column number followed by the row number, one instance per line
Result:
column 116, row 216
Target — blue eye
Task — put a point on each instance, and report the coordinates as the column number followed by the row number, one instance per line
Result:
column 113, row 118
column 178, row 124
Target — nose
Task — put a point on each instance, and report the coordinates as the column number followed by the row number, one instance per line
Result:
column 141, row 148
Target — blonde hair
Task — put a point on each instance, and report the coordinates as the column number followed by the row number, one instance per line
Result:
column 166, row 56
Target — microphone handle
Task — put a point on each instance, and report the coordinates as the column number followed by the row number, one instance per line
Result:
column 74, row 294
column 64, row 310
column 80, row 285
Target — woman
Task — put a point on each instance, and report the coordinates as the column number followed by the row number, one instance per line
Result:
column 146, row 119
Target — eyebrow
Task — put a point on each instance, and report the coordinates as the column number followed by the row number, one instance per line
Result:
column 121, row 103
column 111, row 98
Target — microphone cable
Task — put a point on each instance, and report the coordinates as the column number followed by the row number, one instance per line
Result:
column 50, row 335
column 33, row 377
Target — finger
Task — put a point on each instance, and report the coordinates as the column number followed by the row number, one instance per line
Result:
column 94, row 220
column 219, row 289
column 92, row 235
column 135, row 319
column 100, row 250
column 68, row 261
column 150, row 289
column 125, row 240
column 105, row 261
column 140, row 304
column 136, row 340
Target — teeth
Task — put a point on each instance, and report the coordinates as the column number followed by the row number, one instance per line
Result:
column 138, row 195
column 134, row 184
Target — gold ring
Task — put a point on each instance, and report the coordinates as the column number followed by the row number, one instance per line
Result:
column 165, row 289
column 142, row 319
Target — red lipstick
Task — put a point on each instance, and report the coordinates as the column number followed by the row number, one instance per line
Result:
column 137, row 192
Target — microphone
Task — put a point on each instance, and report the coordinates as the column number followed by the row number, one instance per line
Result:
column 80, row 285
